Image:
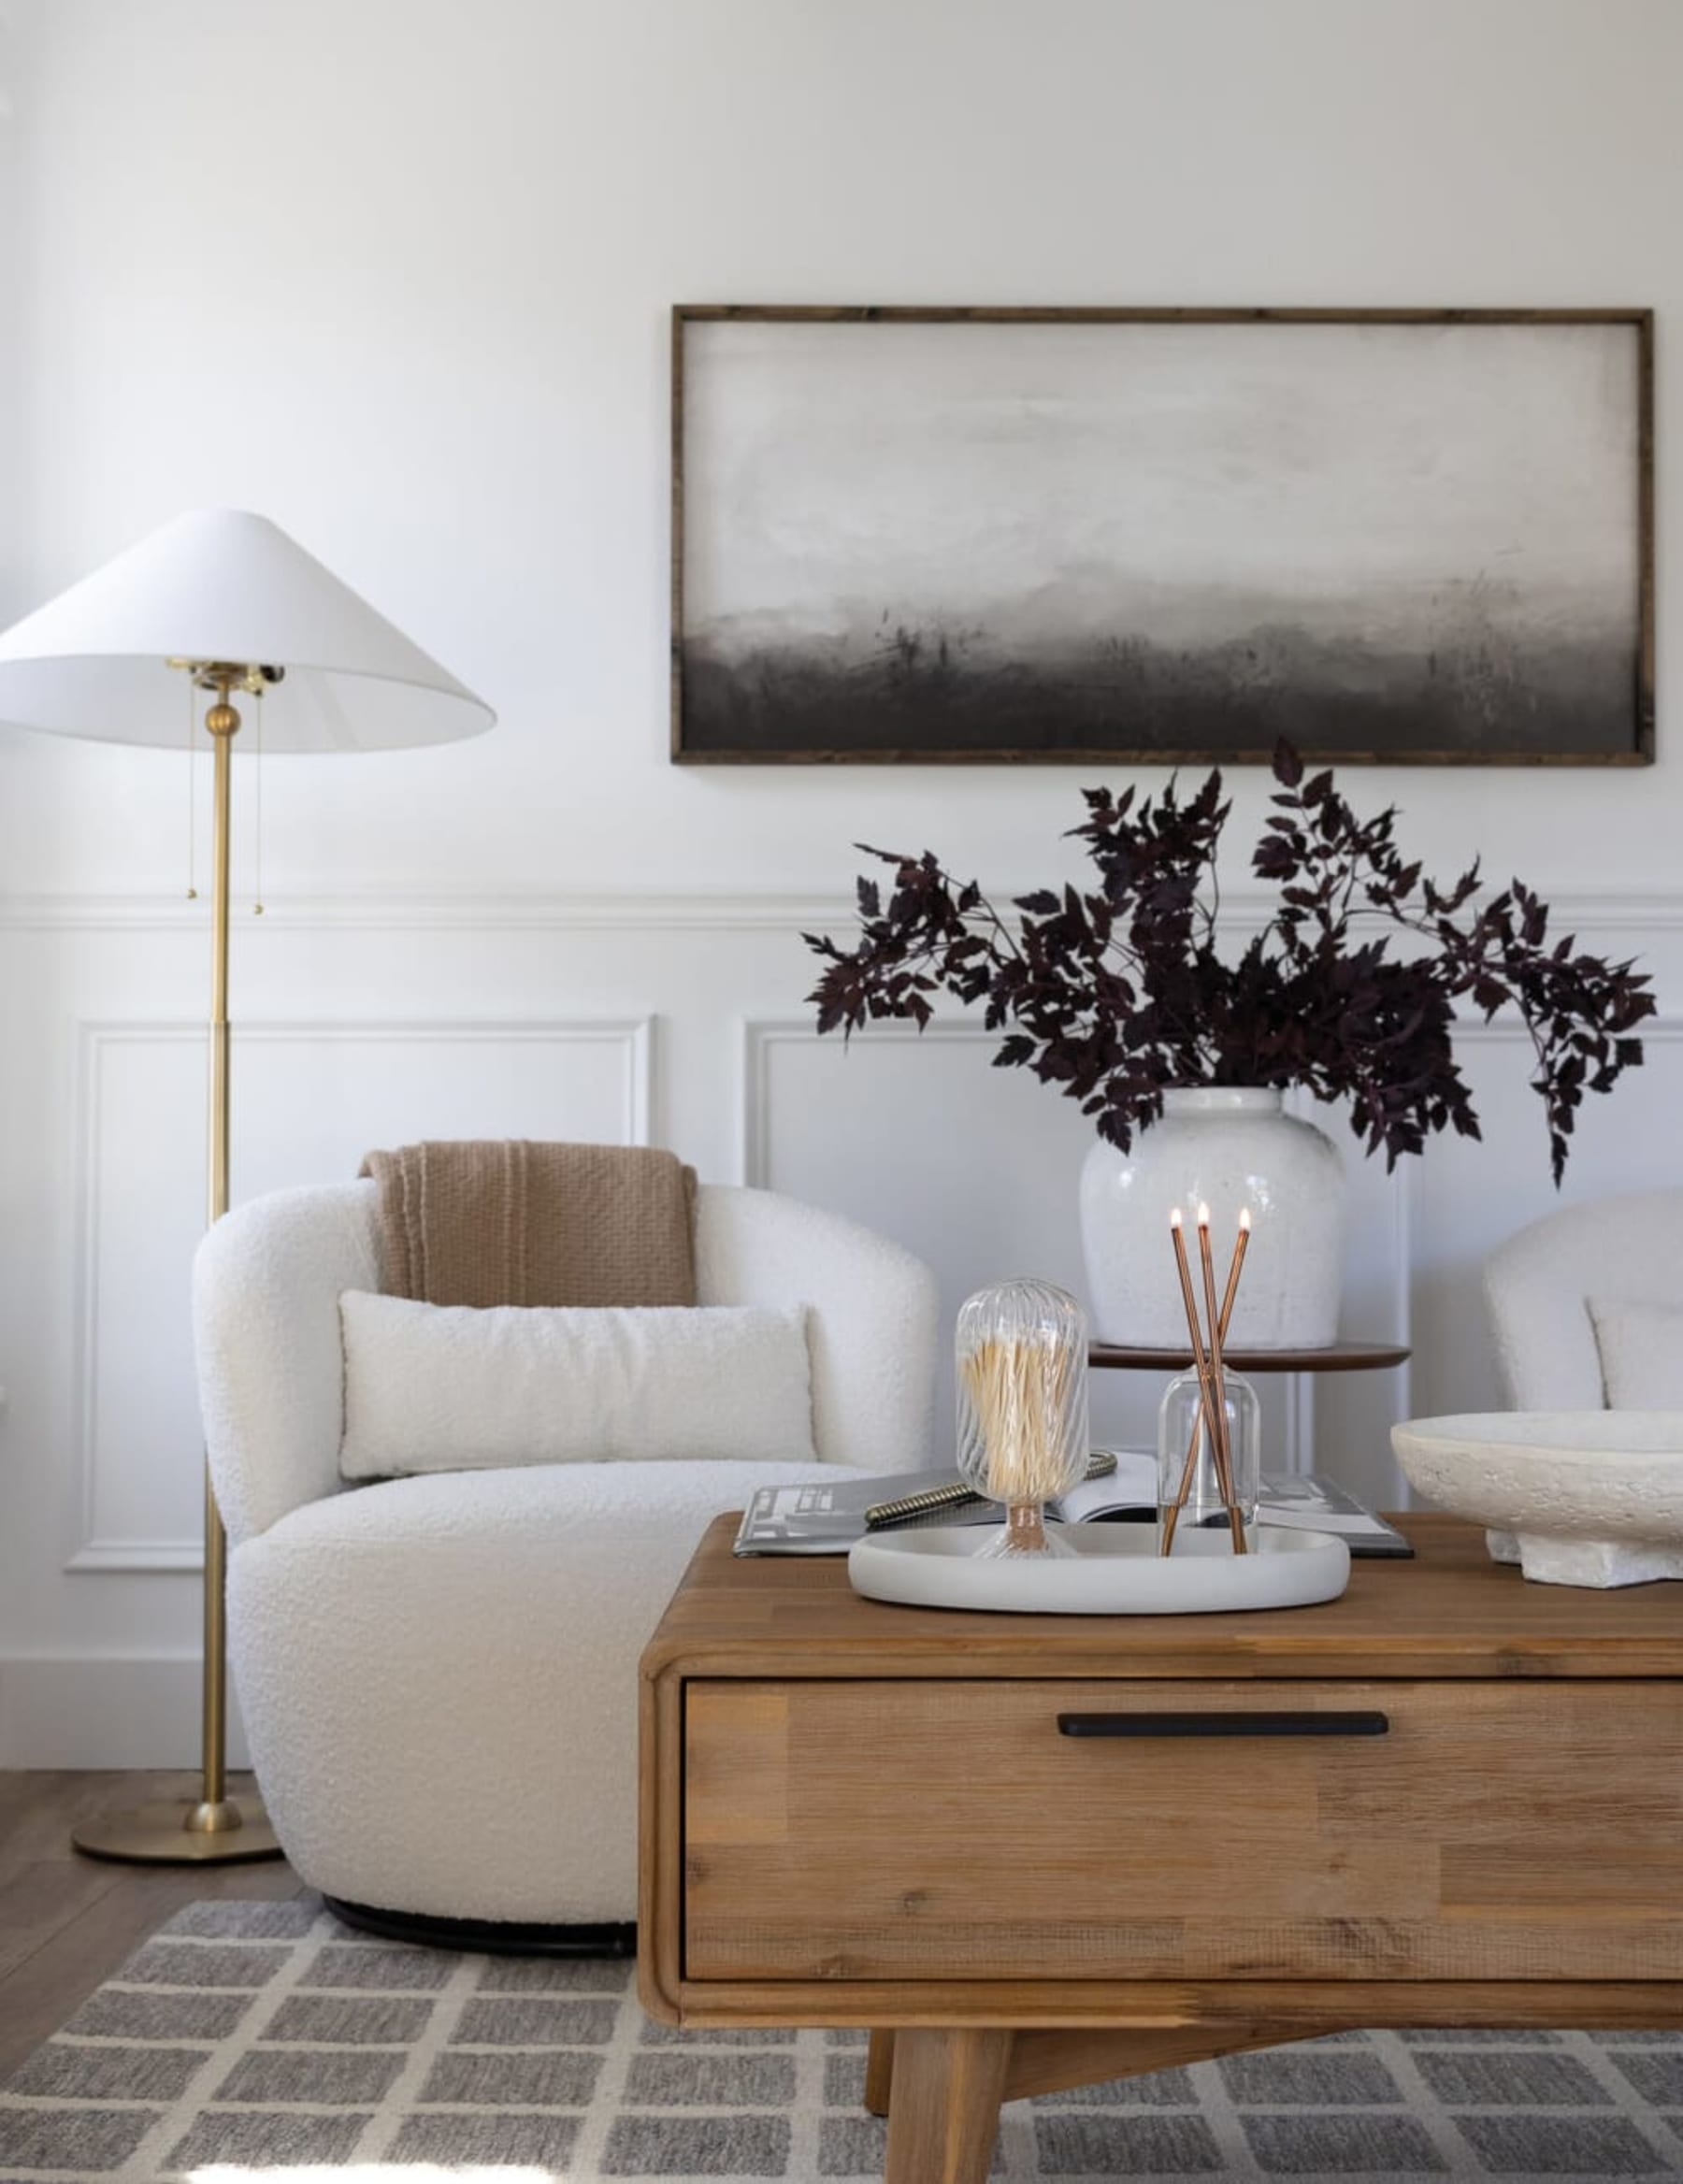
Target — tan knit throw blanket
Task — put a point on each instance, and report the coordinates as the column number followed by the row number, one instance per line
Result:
column 509, row 1222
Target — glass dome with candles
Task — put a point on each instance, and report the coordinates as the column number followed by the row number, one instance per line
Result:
column 1209, row 1460
column 1209, row 1437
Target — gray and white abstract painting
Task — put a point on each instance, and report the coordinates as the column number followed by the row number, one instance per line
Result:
column 1161, row 539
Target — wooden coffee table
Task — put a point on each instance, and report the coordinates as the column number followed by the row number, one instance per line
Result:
column 1031, row 1852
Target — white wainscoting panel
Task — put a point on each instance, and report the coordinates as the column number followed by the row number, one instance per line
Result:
column 309, row 1100
column 972, row 1168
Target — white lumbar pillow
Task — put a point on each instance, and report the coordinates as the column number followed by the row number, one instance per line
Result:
column 1641, row 1347
column 436, row 1387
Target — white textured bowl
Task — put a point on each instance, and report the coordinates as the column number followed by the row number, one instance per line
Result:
column 1573, row 1497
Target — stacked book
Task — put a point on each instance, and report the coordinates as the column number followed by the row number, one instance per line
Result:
column 1121, row 1487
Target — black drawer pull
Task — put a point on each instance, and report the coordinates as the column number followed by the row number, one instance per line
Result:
column 1306, row 1723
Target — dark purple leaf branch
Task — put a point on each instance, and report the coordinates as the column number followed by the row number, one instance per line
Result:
column 1119, row 995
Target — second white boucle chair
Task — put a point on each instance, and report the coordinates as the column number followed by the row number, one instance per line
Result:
column 438, row 1675
column 1541, row 1284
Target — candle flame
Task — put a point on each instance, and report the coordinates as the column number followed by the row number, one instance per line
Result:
column 1203, row 1216
column 1245, row 1218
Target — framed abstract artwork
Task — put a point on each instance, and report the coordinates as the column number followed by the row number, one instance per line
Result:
column 1149, row 537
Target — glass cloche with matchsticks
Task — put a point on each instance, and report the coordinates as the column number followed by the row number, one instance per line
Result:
column 1209, row 1423
column 1022, row 1351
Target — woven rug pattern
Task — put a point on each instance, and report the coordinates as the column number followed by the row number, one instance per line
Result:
column 266, row 2041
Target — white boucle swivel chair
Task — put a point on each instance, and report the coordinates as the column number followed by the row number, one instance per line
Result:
column 1539, row 1283
column 438, row 1675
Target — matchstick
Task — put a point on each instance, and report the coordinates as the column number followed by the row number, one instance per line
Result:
column 1200, row 1356
column 1224, row 1453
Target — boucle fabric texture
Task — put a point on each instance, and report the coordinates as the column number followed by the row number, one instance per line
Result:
column 508, row 1221
column 1641, row 1349
column 438, row 1676
column 252, row 2042
column 268, row 1279
column 432, row 1388
column 1539, row 1283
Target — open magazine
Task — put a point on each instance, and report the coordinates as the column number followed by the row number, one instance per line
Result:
column 826, row 1520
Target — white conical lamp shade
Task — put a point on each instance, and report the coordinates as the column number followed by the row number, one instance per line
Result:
column 219, row 585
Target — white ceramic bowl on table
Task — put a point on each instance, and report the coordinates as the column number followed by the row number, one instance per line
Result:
column 1573, row 1497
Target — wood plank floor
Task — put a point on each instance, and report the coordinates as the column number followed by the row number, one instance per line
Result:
column 67, row 1921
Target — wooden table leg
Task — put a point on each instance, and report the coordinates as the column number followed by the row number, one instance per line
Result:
column 1050, row 2063
column 879, row 2073
column 944, row 2116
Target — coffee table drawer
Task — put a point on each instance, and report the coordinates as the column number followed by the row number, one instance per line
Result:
column 988, row 1829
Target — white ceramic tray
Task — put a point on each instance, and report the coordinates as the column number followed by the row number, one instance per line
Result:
column 1115, row 1571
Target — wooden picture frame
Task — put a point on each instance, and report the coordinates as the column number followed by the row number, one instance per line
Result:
column 1162, row 536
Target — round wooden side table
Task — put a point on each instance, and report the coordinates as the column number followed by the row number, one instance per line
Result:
column 1358, row 1357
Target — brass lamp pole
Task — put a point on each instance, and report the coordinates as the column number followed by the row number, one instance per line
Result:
column 217, row 594
column 215, row 1829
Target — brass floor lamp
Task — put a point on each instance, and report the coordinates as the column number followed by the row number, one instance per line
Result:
column 227, row 604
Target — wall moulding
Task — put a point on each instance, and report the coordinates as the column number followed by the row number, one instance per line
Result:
column 1635, row 913
column 90, row 1550
column 629, row 911
column 760, row 1036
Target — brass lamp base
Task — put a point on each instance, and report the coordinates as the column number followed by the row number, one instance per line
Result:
column 181, row 1831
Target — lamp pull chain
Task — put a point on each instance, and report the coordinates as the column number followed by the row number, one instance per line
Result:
column 192, row 802
column 257, row 809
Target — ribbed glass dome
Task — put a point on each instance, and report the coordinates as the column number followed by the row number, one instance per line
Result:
column 1022, row 1359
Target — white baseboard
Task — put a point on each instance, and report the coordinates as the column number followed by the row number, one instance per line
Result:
column 111, row 1711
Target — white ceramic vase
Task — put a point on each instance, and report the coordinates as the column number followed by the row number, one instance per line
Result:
column 1224, row 1147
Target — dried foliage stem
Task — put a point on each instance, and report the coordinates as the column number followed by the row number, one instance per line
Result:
column 1122, row 993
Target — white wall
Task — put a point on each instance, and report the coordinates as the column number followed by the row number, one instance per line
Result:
column 398, row 273
column 11, row 410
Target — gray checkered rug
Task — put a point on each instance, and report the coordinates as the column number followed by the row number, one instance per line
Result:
column 263, row 2041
